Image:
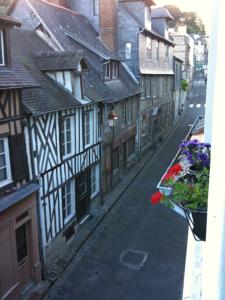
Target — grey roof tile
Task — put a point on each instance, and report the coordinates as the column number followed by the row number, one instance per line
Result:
column 74, row 32
column 49, row 96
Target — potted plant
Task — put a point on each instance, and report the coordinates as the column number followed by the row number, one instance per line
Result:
column 189, row 194
column 196, row 153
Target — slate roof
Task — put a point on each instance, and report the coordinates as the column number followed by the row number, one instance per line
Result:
column 49, row 96
column 54, row 61
column 74, row 32
column 161, row 12
column 16, row 76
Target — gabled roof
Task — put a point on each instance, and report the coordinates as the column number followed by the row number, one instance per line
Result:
column 49, row 96
column 74, row 32
column 161, row 12
column 58, row 61
column 61, row 20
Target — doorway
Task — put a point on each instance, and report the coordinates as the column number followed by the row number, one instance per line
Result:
column 83, row 198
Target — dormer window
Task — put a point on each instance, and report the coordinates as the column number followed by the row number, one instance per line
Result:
column 111, row 71
column 2, row 48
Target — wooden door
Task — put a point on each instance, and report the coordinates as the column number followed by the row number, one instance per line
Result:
column 23, row 253
column 7, row 267
column 83, row 192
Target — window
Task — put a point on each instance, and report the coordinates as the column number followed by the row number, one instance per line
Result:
column 108, row 71
column 68, row 201
column 128, row 112
column 166, row 53
column 128, row 51
column 114, row 70
column 123, row 113
column 87, row 128
column 96, row 7
column 94, row 180
column 2, row 49
column 115, row 158
column 67, row 136
column 21, row 243
column 111, row 71
column 148, row 87
column 165, row 85
column 149, row 47
column 5, row 169
column 157, row 50
column 131, row 145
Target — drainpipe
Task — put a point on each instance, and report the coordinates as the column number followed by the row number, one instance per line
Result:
column 214, row 255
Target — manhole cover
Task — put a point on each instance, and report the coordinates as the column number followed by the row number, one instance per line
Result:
column 133, row 259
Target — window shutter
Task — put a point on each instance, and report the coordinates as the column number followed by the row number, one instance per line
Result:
column 18, row 157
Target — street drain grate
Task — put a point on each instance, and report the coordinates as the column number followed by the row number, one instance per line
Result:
column 133, row 259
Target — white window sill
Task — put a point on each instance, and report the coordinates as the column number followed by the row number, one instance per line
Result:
column 5, row 182
column 69, row 218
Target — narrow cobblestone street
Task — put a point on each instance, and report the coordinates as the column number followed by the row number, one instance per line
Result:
column 138, row 251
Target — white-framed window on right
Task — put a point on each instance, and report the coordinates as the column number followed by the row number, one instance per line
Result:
column 95, row 176
column 128, row 51
column 88, row 128
column 2, row 48
column 149, row 47
column 67, row 136
column 5, row 167
column 68, row 200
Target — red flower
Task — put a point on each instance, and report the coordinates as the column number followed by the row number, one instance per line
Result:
column 175, row 169
column 168, row 176
column 156, row 198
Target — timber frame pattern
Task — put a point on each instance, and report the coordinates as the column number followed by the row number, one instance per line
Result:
column 52, row 170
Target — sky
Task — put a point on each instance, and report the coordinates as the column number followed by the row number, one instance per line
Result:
column 202, row 7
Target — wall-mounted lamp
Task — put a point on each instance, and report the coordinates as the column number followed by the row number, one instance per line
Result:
column 111, row 118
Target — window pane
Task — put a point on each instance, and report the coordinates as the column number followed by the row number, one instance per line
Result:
column 21, row 243
column 1, row 48
column 2, row 146
column 2, row 161
column 3, row 175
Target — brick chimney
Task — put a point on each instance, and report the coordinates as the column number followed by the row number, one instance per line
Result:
column 108, row 23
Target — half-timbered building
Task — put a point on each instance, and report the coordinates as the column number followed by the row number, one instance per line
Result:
column 63, row 138
column 109, row 80
column 19, row 247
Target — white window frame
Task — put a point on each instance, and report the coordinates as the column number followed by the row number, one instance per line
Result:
column 115, row 70
column 95, row 176
column 7, row 163
column 65, row 142
column 148, row 47
column 108, row 71
column 2, row 47
column 128, row 50
column 96, row 7
column 157, row 50
column 68, row 199
column 88, row 128
column 166, row 53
